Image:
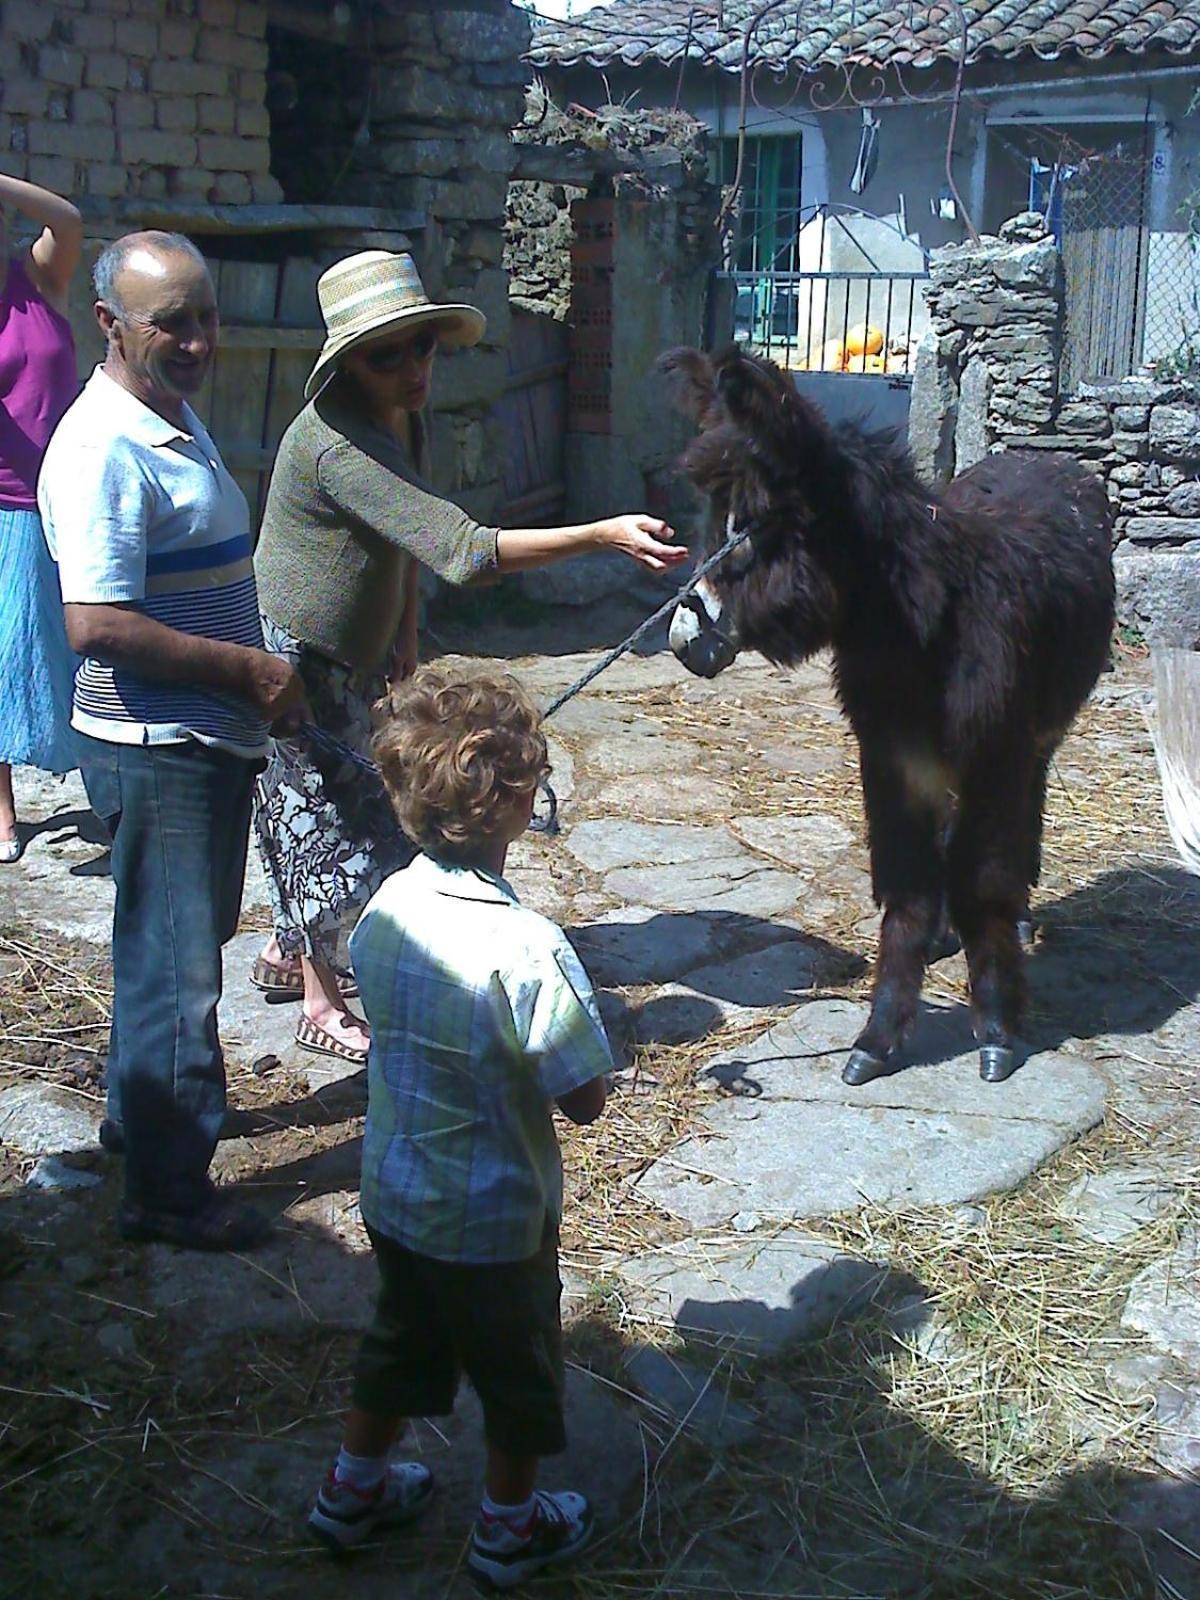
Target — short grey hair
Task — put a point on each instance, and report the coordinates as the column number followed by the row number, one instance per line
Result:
column 111, row 261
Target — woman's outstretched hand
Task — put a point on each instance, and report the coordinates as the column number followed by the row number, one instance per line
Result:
column 646, row 539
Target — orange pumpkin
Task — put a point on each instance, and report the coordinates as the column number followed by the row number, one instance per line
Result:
column 864, row 340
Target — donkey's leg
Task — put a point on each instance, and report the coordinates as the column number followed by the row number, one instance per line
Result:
column 905, row 822
column 1037, row 807
column 989, row 894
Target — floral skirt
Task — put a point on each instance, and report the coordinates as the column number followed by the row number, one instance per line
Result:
column 324, row 827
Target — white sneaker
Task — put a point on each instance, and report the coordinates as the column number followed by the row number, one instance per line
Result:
column 10, row 851
column 559, row 1528
column 345, row 1516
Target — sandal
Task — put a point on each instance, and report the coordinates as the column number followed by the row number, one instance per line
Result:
column 312, row 1036
column 221, row 1223
column 287, row 983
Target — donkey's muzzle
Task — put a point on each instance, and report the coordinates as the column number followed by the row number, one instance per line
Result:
column 699, row 642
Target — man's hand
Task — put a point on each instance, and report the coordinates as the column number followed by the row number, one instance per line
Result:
column 276, row 691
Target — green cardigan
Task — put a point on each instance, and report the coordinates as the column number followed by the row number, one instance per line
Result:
column 346, row 513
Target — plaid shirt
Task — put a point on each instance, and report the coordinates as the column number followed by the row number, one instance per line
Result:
column 481, row 1015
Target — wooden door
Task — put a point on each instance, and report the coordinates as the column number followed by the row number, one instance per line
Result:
column 270, row 335
column 534, row 416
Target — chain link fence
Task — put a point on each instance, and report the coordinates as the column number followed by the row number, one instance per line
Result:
column 1132, row 290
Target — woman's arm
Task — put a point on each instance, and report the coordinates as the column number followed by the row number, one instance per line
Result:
column 640, row 537
column 56, row 251
column 404, row 653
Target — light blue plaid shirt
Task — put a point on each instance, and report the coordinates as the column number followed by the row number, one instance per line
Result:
column 481, row 1015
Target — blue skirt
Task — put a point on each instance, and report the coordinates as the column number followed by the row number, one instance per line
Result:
column 37, row 665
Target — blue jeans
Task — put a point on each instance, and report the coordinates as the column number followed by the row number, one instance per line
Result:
column 179, row 816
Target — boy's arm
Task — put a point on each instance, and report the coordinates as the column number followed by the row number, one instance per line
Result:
column 563, row 1033
column 584, row 1105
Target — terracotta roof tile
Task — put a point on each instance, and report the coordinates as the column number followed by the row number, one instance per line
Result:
column 812, row 34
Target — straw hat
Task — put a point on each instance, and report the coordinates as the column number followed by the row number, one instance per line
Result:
column 373, row 293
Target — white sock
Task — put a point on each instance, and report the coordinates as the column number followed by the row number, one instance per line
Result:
column 515, row 1518
column 360, row 1472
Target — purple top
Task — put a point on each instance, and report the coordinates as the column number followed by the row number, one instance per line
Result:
column 38, row 381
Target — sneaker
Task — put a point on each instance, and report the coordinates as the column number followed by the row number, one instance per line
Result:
column 559, row 1528
column 344, row 1516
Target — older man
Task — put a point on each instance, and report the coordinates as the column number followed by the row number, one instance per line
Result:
column 174, row 700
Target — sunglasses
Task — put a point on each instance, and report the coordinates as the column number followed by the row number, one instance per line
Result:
column 391, row 357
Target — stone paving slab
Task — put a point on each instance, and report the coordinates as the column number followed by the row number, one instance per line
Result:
column 1164, row 1301
column 690, row 1398
column 758, row 1295
column 727, row 993
column 38, row 1119
column 810, row 844
column 793, row 1141
column 639, row 944
column 1114, row 1205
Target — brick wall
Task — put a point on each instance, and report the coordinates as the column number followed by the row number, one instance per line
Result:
column 150, row 99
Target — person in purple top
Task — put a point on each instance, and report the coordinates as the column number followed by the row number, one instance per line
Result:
column 37, row 383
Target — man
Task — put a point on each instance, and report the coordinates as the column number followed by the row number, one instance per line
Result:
column 173, row 700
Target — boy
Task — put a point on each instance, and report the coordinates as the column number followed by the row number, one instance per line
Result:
column 481, row 1017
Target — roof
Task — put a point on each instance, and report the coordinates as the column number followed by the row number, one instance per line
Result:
column 809, row 35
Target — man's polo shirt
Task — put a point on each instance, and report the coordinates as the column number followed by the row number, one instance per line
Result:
column 138, row 511
column 481, row 1016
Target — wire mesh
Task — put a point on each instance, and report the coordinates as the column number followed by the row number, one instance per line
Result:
column 1132, row 289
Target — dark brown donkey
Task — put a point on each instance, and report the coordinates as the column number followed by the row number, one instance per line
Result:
column 966, row 626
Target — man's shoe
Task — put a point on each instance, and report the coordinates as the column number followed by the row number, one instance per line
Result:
column 559, row 1528
column 220, row 1223
column 112, row 1137
column 345, row 1516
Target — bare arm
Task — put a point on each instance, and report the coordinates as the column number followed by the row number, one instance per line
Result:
column 56, row 252
column 123, row 637
column 405, row 650
column 644, row 539
column 584, row 1105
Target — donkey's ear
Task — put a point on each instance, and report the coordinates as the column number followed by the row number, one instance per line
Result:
column 690, row 375
column 763, row 400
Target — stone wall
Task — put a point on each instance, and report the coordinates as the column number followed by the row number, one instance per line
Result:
column 650, row 173
column 448, row 86
column 987, row 379
column 144, row 98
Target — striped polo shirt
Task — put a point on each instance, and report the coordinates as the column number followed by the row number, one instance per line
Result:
column 141, row 512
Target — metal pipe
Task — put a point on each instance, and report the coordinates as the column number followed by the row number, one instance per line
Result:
column 985, row 91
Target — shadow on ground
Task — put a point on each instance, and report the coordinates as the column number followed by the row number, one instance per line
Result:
column 166, row 1418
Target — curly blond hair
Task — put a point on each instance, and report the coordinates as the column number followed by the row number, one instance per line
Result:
column 456, row 753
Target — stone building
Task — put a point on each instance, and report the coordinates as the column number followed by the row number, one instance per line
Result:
column 280, row 134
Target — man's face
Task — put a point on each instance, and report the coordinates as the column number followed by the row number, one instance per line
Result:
column 165, row 329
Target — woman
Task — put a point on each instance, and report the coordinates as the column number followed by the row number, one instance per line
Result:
column 349, row 520
column 37, row 383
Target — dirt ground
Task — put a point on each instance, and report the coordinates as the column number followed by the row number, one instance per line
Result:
column 164, row 1418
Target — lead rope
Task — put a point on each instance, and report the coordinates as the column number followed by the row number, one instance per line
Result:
column 548, row 822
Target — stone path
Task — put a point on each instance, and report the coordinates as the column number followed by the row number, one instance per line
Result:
column 711, row 890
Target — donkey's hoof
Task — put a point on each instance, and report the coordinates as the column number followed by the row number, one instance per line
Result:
column 862, row 1067
column 997, row 1062
column 1025, row 933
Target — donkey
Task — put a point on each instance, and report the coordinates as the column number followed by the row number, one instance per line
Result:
column 966, row 626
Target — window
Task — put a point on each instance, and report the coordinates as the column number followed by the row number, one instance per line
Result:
column 766, row 223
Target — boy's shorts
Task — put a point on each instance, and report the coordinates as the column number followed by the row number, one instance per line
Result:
column 498, row 1323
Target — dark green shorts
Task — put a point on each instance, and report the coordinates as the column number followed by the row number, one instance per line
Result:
column 498, row 1324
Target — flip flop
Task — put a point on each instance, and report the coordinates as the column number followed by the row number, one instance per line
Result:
column 287, row 983
column 311, row 1036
